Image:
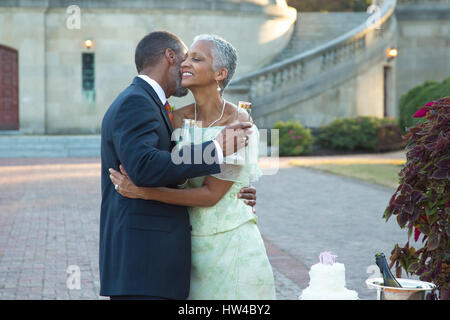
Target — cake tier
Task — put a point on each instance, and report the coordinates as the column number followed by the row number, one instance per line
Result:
column 328, row 283
column 342, row 294
column 326, row 277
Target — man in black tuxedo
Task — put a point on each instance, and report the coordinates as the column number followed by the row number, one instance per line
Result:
column 145, row 246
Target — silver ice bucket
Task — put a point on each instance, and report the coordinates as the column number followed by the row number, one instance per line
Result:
column 410, row 290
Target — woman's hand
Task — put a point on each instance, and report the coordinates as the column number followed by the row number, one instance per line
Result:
column 249, row 194
column 126, row 187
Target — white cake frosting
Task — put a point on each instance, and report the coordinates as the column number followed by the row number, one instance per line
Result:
column 327, row 282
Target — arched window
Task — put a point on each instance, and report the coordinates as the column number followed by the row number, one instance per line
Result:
column 9, row 89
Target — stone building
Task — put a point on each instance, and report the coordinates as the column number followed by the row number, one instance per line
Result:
column 54, row 82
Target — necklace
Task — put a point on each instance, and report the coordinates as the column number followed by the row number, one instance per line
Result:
column 195, row 113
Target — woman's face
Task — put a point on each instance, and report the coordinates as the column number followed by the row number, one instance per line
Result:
column 197, row 69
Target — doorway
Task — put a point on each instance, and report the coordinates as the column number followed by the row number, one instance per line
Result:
column 387, row 91
column 9, row 89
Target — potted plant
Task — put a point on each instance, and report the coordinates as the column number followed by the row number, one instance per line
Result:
column 421, row 201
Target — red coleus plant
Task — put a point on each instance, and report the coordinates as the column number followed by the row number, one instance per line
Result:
column 422, row 112
column 422, row 199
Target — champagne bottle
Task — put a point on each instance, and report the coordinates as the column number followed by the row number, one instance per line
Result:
column 187, row 127
column 388, row 278
column 247, row 106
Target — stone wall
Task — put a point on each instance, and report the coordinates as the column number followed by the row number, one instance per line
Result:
column 424, row 43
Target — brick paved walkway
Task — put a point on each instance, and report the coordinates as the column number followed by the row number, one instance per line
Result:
column 304, row 212
column 49, row 215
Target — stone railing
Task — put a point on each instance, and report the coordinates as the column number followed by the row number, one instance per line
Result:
column 267, row 85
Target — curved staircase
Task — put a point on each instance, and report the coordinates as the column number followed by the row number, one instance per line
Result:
column 312, row 65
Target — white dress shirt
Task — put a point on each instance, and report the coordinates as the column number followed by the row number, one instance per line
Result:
column 155, row 85
column 162, row 96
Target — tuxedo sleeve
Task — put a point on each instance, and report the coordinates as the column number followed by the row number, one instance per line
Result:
column 135, row 139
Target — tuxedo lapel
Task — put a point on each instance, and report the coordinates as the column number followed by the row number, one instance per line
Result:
column 148, row 88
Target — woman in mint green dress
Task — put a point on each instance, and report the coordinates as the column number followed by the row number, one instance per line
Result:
column 229, row 260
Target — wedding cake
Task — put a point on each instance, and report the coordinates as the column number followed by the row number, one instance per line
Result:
column 327, row 281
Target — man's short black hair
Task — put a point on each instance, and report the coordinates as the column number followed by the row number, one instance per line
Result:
column 150, row 49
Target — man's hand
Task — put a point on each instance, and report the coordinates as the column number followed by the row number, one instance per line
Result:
column 234, row 137
column 249, row 194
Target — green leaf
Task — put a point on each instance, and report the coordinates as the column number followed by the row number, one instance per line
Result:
column 432, row 220
column 387, row 214
column 402, row 263
column 430, row 212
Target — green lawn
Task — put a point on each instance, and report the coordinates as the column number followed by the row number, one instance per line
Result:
column 383, row 174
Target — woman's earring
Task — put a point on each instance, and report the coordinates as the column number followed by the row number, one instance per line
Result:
column 218, row 86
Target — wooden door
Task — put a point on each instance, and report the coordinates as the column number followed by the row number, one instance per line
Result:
column 9, row 89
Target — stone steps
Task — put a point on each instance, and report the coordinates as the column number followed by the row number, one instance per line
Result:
column 313, row 29
column 49, row 146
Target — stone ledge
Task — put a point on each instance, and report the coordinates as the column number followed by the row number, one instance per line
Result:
column 42, row 146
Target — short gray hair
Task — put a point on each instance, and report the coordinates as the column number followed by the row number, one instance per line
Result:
column 223, row 53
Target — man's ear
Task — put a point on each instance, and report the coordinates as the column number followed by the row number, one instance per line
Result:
column 221, row 74
column 170, row 56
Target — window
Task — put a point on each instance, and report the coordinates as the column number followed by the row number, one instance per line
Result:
column 88, row 76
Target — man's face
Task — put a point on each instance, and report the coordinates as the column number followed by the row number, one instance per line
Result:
column 179, row 90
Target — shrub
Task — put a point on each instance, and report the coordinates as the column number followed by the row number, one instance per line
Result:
column 389, row 137
column 418, row 96
column 356, row 133
column 294, row 138
column 421, row 201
